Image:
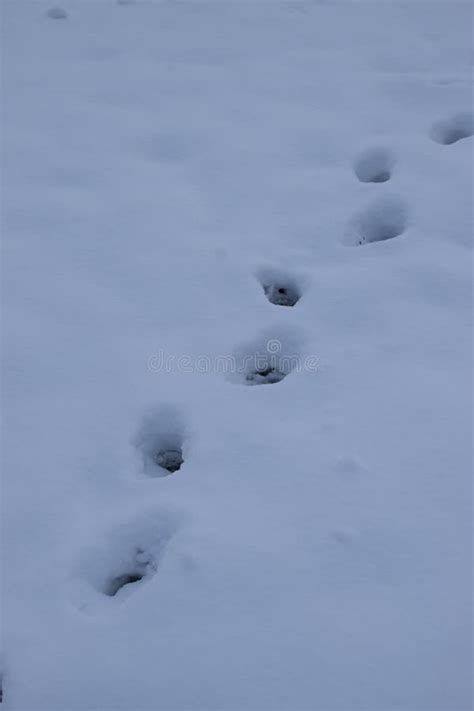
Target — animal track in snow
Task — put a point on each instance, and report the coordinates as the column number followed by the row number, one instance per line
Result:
column 170, row 459
column 383, row 219
column 281, row 295
column 374, row 165
column 453, row 129
column 129, row 557
column 138, row 567
column 265, row 375
column 279, row 287
column 160, row 441
column 266, row 360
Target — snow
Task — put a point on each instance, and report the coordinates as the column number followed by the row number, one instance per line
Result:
column 165, row 164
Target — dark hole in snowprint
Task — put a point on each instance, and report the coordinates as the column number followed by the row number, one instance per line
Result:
column 265, row 376
column 140, row 566
column 170, row 459
column 121, row 581
column 281, row 294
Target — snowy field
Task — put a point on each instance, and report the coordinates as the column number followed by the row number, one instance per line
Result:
column 237, row 355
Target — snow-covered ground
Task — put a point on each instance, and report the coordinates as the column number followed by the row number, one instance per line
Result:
column 168, row 167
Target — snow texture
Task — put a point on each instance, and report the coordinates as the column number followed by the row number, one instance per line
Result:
column 168, row 166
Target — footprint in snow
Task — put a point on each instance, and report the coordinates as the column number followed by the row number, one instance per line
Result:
column 267, row 359
column 383, row 219
column 374, row 165
column 280, row 288
column 140, row 564
column 453, row 129
column 267, row 374
column 127, row 559
column 160, row 441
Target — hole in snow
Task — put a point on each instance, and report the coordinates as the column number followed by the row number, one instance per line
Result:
column 160, row 441
column 384, row 219
column 140, row 566
column 117, row 583
column 57, row 13
column 265, row 375
column 281, row 295
column 170, row 459
column 266, row 360
column 453, row 129
column 374, row 165
column 129, row 558
column 280, row 288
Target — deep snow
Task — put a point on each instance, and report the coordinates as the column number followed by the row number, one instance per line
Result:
column 166, row 164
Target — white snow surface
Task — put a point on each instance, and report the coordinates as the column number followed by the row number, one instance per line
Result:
column 313, row 550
